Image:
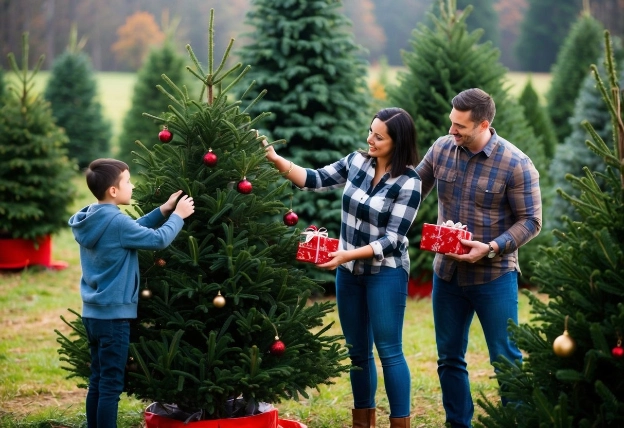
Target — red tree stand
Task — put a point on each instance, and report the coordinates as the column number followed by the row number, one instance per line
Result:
column 19, row 253
column 268, row 419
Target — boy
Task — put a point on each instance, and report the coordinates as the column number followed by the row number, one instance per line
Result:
column 109, row 286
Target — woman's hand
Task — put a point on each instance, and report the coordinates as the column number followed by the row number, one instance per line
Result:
column 338, row 257
column 271, row 154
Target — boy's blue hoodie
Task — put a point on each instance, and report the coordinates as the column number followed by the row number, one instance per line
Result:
column 109, row 241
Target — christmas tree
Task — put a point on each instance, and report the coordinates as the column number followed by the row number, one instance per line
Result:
column 573, row 155
column 543, row 29
column 305, row 57
column 573, row 374
column 72, row 93
column 145, row 97
column 225, row 322
column 580, row 49
column 2, row 83
column 445, row 60
column 35, row 174
column 538, row 119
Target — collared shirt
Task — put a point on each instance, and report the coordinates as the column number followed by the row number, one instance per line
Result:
column 379, row 216
column 495, row 192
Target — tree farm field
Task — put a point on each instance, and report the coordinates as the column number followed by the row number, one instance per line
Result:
column 34, row 390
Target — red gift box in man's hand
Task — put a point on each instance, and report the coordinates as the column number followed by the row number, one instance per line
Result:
column 315, row 246
column 445, row 238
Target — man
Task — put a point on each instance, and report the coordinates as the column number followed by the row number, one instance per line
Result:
column 488, row 184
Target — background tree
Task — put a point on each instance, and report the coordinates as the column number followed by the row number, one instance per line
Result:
column 510, row 13
column 35, row 174
column 543, row 30
column 397, row 18
column 366, row 30
column 48, row 22
column 574, row 155
column 538, row 119
column 485, row 17
column 611, row 14
column 225, row 313
column 135, row 39
column 146, row 98
column 444, row 61
column 315, row 78
column 583, row 279
column 72, row 93
column 580, row 49
column 2, row 83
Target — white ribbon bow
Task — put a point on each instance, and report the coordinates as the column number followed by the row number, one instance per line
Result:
column 458, row 225
column 311, row 232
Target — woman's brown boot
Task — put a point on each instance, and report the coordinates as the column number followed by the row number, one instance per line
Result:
column 400, row 422
column 363, row 418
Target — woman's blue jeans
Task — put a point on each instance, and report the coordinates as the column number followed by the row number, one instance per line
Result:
column 495, row 303
column 109, row 341
column 371, row 309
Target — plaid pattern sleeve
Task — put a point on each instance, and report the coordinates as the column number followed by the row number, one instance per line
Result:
column 379, row 216
column 494, row 192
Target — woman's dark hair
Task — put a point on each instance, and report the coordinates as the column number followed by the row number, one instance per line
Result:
column 102, row 174
column 478, row 102
column 402, row 130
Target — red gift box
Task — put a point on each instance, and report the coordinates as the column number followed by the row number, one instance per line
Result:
column 315, row 246
column 444, row 239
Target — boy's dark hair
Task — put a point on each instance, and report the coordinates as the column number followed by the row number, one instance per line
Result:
column 102, row 174
column 402, row 130
column 478, row 102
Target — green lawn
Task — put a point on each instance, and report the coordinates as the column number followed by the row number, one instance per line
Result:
column 33, row 388
column 34, row 391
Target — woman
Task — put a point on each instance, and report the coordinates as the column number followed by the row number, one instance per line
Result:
column 379, row 203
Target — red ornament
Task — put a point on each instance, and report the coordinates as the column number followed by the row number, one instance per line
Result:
column 210, row 159
column 290, row 218
column 618, row 351
column 161, row 262
column 244, row 186
column 277, row 347
column 165, row 135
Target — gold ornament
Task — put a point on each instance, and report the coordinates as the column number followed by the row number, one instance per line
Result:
column 146, row 293
column 219, row 300
column 564, row 345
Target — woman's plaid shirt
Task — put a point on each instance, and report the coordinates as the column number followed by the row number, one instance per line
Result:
column 495, row 192
column 379, row 216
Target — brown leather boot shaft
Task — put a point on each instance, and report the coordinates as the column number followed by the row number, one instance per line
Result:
column 400, row 422
column 363, row 418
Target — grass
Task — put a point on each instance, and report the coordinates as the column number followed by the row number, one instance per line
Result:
column 34, row 390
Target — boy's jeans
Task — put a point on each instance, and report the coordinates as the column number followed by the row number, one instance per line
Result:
column 109, row 341
column 371, row 309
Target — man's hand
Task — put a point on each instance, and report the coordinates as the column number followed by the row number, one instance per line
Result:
column 478, row 250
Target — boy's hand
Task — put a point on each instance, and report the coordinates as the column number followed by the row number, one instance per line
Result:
column 168, row 207
column 185, row 206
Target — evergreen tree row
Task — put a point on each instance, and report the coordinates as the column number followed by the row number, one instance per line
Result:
column 580, row 384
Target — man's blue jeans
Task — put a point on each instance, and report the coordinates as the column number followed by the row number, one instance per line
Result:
column 371, row 309
column 109, row 341
column 453, row 309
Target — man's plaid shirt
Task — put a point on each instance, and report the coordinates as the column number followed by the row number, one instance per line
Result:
column 495, row 192
column 379, row 216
